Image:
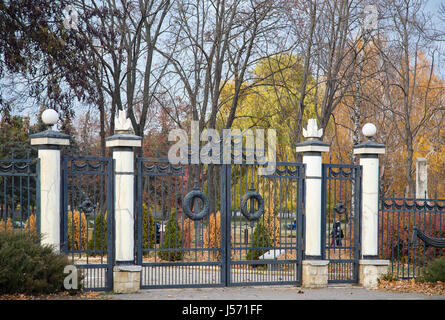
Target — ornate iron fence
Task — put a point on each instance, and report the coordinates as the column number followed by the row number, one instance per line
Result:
column 20, row 194
column 397, row 219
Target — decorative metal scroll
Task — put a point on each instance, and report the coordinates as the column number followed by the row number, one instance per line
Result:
column 86, row 166
column 412, row 204
column 429, row 241
column 159, row 170
column 342, row 172
column 16, row 166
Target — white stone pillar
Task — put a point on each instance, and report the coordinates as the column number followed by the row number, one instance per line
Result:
column 370, row 267
column 369, row 161
column 314, row 270
column 49, row 143
column 421, row 178
column 312, row 149
column 122, row 144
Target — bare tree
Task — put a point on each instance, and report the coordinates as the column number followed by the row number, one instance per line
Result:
column 122, row 36
column 408, row 37
column 212, row 44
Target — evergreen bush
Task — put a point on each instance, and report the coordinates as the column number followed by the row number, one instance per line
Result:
column 434, row 271
column 272, row 226
column 187, row 230
column 31, row 224
column 26, row 267
column 172, row 239
column 260, row 238
column 99, row 239
column 148, row 228
column 6, row 227
column 79, row 228
column 212, row 235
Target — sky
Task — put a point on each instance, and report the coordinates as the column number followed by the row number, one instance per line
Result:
column 432, row 7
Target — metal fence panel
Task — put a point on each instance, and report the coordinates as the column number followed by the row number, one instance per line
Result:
column 20, row 194
column 397, row 219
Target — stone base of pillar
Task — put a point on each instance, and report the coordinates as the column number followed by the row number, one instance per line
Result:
column 315, row 273
column 126, row 278
column 370, row 271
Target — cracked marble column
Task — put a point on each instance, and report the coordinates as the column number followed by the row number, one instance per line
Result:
column 314, row 269
column 122, row 144
column 370, row 266
column 49, row 143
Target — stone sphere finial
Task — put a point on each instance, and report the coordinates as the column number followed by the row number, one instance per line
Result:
column 369, row 130
column 50, row 117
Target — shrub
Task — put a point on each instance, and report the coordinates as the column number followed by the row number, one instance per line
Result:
column 272, row 225
column 99, row 239
column 187, row 230
column 31, row 224
column 434, row 271
column 172, row 239
column 8, row 227
column 388, row 277
column 148, row 224
column 27, row 267
column 212, row 235
column 260, row 238
column 80, row 229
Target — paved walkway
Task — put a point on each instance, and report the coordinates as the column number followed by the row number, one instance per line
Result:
column 272, row 293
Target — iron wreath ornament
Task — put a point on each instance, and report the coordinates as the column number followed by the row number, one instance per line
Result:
column 189, row 199
column 256, row 196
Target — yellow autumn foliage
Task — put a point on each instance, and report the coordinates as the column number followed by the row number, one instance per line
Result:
column 9, row 227
column 272, row 225
column 188, row 231
column 79, row 228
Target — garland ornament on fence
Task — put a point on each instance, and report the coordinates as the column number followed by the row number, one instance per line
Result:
column 190, row 198
column 429, row 241
column 243, row 207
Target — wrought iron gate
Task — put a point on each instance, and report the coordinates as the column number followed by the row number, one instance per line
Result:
column 88, row 218
column 266, row 250
column 225, row 246
column 341, row 212
column 173, row 249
